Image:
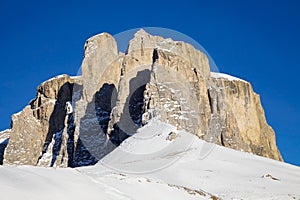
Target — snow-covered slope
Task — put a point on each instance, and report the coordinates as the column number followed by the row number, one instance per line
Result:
column 154, row 164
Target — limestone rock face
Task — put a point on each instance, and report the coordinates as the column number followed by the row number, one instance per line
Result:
column 101, row 71
column 120, row 92
column 238, row 118
column 152, row 62
column 36, row 127
column 178, row 89
column 100, row 64
column 25, row 142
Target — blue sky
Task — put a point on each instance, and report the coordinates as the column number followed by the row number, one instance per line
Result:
column 254, row 40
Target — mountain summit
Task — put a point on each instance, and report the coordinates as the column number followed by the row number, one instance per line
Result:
column 118, row 93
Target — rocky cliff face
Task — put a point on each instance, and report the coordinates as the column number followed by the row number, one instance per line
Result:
column 118, row 93
column 40, row 130
column 238, row 119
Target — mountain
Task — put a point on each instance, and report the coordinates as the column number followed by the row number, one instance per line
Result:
column 151, row 123
column 118, row 93
column 151, row 165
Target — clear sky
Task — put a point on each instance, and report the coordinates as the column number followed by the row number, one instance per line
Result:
column 254, row 40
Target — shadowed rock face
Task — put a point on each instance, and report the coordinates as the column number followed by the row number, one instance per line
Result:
column 4, row 138
column 118, row 93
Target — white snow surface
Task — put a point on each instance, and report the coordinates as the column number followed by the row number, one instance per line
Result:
column 4, row 135
column 148, row 166
column 225, row 76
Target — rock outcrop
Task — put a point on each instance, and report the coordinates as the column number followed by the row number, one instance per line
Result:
column 118, row 93
column 40, row 126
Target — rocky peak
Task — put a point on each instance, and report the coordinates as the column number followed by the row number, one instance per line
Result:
column 100, row 60
column 118, row 93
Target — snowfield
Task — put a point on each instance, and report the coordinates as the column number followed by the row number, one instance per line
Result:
column 153, row 165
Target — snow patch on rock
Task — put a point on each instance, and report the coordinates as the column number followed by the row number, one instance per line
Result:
column 225, row 76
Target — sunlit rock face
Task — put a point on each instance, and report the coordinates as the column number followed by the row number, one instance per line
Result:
column 238, row 119
column 40, row 125
column 118, row 93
